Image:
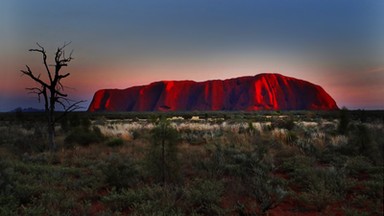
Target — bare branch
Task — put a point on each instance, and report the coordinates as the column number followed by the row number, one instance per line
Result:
column 60, row 86
column 41, row 47
column 37, row 91
column 63, row 76
column 29, row 73
column 44, row 54
column 34, row 89
column 60, row 58
column 74, row 106
column 61, row 103
column 71, row 108
column 61, row 94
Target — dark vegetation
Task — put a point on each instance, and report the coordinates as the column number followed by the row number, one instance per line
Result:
column 222, row 163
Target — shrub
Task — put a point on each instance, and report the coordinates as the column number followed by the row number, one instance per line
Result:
column 204, row 196
column 120, row 172
column 155, row 200
column 354, row 212
column 291, row 137
column 318, row 196
column 74, row 120
column 6, row 173
column 8, row 204
column 343, row 121
column 33, row 210
column 56, row 202
column 374, row 189
column 85, row 123
column 20, row 141
column 26, row 192
column 97, row 132
column 255, row 172
column 29, row 144
column 215, row 164
column 322, row 186
column 64, row 124
column 268, row 190
column 356, row 165
column 296, row 164
column 115, row 142
column 83, row 137
column 251, row 129
column 364, row 144
column 284, row 123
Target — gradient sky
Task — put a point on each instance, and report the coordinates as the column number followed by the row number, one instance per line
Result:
column 338, row 44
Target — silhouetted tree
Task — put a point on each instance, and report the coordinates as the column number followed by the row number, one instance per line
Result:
column 51, row 88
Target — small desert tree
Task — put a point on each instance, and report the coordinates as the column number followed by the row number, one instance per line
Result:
column 162, row 157
column 343, row 121
column 51, row 89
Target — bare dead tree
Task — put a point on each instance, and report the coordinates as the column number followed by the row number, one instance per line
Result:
column 51, row 89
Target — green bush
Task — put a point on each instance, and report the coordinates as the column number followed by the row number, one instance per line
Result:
column 155, row 200
column 33, row 210
column 296, row 164
column 363, row 144
column 6, row 173
column 374, row 189
column 268, row 190
column 357, row 165
column 85, row 123
column 26, row 192
column 204, row 196
column 83, row 137
column 74, row 120
column 8, row 204
column 318, row 196
column 214, row 166
column 115, row 142
column 56, row 202
column 284, row 123
column 343, row 121
column 322, row 186
column 28, row 144
column 291, row 137
column 354, row 212
column 120, row 172
column 20, row 142
column 64, row 124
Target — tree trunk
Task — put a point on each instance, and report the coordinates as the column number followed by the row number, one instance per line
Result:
column 51, row 138
column 51, row 132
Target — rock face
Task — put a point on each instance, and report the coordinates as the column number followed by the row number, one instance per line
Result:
column 260, row 92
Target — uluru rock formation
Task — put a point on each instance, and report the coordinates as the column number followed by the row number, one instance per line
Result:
column 260, row 92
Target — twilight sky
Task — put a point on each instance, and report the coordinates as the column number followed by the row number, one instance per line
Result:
column 338, row 44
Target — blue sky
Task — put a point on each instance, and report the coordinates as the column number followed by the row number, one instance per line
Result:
column 338, row 44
